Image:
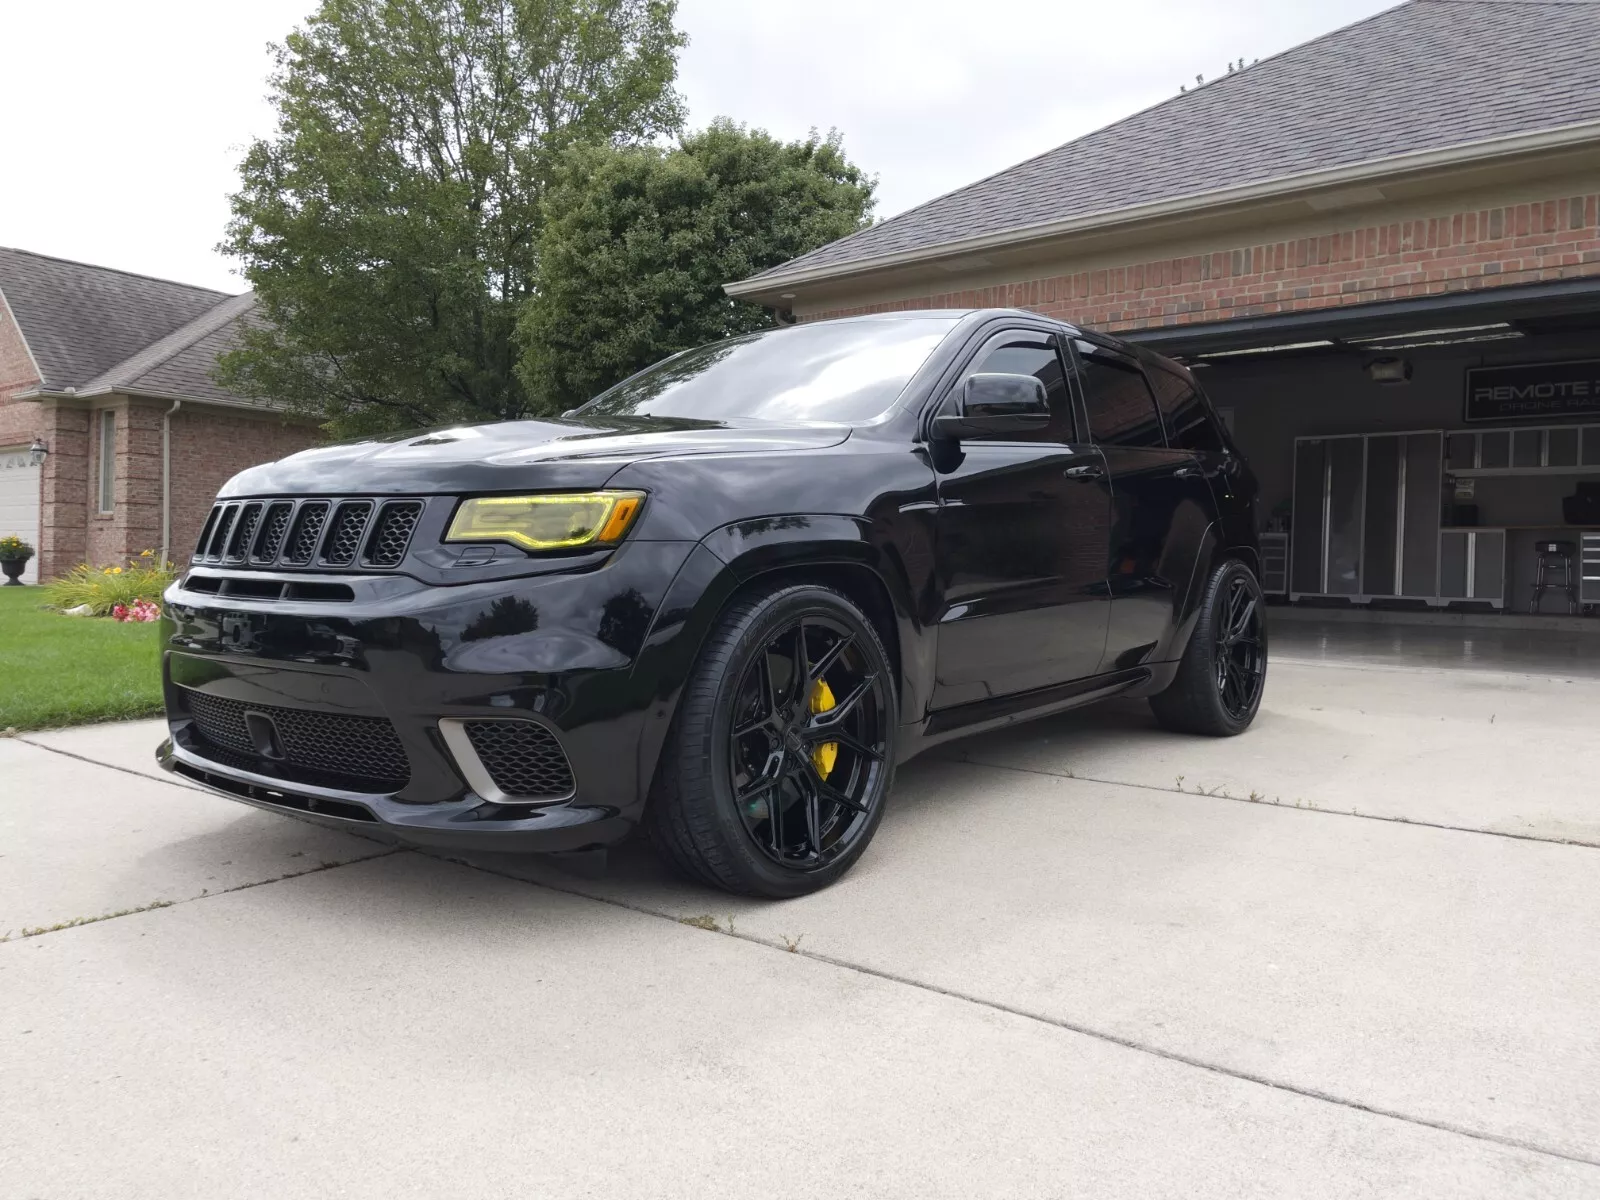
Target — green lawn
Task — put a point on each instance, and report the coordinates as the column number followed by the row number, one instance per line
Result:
column 57, row 670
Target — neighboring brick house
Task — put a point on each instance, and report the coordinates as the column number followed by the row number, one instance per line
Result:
column 104, row 368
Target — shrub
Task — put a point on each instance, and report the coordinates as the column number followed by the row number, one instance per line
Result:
column 104, row 589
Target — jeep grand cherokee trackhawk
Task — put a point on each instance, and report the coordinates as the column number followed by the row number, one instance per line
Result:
column 723, row 599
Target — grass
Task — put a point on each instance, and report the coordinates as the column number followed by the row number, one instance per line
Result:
column 57, row 670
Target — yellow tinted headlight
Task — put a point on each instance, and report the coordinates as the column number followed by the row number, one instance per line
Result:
column 547, row 522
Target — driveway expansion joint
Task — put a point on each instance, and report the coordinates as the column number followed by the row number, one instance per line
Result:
column 792, row 946
column 1261, row 802
column 206, row 894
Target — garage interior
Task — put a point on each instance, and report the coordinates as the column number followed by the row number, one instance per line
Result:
column 1387, row 498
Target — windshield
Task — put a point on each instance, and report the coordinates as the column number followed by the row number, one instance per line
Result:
column 835, row 371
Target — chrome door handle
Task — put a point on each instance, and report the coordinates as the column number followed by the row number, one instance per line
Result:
column 1087, row 471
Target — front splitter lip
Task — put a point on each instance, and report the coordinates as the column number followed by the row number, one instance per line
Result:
column 468, row 824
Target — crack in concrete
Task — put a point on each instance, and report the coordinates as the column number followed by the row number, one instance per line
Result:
column 1062, row 1023
column 1202, row 794
column 100, row 762
column 785, row 947
column 156, row 905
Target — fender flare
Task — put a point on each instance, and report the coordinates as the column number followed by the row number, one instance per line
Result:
column 728, row 560
column 1213, row 554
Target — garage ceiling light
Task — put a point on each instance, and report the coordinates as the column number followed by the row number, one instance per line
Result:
column 1267, row 349
column 1389, row 339
column 1503, row 336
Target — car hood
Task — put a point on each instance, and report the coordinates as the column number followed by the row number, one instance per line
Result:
column 569, row 452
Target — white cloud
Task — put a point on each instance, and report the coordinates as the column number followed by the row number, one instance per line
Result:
column 124, row 122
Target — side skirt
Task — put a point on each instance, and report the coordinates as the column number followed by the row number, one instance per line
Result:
column 981, row 715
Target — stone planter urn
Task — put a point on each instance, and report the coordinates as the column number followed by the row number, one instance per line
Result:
column 14, row 556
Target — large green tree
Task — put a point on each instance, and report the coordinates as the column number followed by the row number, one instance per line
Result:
column 638, row 242
column 391, row 226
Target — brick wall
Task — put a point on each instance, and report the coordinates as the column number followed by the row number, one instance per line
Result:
column 210, row 446
column 1558, row 238
column 63, row 518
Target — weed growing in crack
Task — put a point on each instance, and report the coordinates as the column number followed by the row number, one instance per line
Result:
column 36, row 930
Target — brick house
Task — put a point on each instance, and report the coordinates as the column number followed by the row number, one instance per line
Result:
column 112, row 374
column 1340, row 240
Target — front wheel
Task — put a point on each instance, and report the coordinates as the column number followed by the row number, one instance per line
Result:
column 780, row 757
column 1217, row 690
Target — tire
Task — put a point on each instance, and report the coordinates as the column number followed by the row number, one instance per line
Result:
column 1210, row 695
column 708, row 815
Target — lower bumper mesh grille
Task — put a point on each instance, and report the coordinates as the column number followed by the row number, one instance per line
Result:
column 360, row 748
column 523, row 758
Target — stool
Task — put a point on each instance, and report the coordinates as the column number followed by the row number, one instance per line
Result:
column 1555, row 554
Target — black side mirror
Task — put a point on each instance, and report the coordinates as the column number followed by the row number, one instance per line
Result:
column 995, row 405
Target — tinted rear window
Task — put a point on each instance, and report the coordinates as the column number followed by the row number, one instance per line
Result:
column 1189, row 424
column 832, row 371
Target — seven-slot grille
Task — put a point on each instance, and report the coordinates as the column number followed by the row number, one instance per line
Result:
column 364, row 748
column 523, row 758
column 333, row 534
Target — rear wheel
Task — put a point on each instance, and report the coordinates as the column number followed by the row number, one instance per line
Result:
column 1217, row 690
column 775, row 773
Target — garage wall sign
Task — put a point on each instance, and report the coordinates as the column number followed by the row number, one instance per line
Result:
column 1533, row 391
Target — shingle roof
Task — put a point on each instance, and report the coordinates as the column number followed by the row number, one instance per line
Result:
column 81, row 320
column 182, row 363
column 1427, row 75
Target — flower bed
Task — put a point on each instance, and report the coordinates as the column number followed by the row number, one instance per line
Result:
column 103, row 591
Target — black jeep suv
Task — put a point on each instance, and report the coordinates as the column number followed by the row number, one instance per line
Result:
column 723, row 599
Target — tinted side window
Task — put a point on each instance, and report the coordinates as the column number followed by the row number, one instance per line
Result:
column 1189, row 424
column 1121, row 410
column 1031, row 354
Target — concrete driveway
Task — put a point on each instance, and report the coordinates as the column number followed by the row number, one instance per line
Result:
column 1353, row 953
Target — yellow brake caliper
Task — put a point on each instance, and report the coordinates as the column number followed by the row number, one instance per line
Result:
column 824, row 756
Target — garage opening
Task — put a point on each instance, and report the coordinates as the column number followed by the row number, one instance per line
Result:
column 1428, row 463
column 19, row 502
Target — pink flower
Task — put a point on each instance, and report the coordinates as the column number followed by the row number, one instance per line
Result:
column 120, row 612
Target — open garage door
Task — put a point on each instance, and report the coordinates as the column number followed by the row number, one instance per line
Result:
column 19, row 502
column 1433, row 461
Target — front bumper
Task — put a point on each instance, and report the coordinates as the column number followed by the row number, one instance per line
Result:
column 468, row 823
column 564, row 651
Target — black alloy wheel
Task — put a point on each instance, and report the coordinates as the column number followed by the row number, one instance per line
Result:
column 811, row 712
column 1223, row 673
column 781, row 755
column 1241, row 657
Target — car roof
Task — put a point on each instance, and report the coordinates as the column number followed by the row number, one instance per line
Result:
column 956, row 314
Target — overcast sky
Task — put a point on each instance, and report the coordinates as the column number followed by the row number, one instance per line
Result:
column 125, row 122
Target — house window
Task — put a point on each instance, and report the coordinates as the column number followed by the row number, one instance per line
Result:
column 108, row 459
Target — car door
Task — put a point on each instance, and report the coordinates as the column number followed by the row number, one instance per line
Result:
column 1023, row 533
column 1162, row 504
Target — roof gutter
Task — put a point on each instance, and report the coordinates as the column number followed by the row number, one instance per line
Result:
column 1467, row 153
column 49, row 393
